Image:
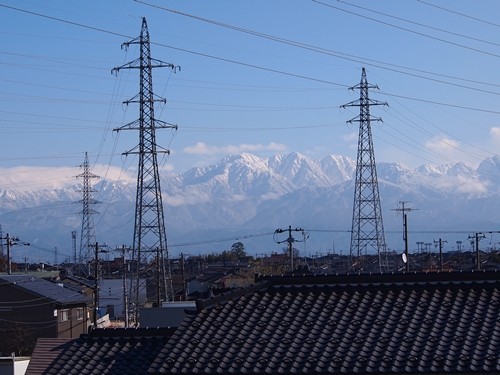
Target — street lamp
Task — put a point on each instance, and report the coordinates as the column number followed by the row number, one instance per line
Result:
column 11, row 241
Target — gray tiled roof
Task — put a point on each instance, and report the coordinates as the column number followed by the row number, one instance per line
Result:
column 406, row 324
column 110, row 351
column 45, row 288
column 358, row 324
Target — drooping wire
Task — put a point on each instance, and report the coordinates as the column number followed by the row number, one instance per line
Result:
column 459, row 13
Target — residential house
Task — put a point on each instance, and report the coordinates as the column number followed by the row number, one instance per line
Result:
column 32, row 307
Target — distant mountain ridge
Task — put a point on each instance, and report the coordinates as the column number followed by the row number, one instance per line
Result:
column 246, row 196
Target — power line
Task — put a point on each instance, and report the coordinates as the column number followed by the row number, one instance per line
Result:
column 420, row 24
column 214, row 129
column 409, row 30
column 236, row 238
column 441, row 103
column 341, row 55
column 460, row 14
column 317, row 49
column 416, row 126
column 176, row 48
column 64, row 21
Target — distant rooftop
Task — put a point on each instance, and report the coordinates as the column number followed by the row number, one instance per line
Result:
column 45, row 288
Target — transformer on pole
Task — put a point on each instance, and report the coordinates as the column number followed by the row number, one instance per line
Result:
column 149, row 251
column 290, row 240
column 367, row 235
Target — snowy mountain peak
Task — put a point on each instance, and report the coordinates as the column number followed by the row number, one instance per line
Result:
column 451, row 169
column 247, row 193
column 490, row 165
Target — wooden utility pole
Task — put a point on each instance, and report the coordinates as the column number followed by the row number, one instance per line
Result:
column 96, row 283
column 440, row 242
column 290, row 240
column 477, row 236
column 124, row 281
column 10, row 241
column 404, row 209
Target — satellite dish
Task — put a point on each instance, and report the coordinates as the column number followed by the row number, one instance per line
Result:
column 405, row 259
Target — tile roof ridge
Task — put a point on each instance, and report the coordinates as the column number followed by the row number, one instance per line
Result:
column 130, row 332
column 202, row 304
column 381, row 278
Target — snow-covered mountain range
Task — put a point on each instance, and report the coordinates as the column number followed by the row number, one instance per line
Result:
column 246, row 198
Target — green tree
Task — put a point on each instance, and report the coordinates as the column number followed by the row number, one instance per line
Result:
column 17, row 338
column 3, row 262
column 238, row 250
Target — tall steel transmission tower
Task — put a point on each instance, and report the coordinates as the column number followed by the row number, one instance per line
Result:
column 87, row 237
column 1, row 240
column 149, row 252
column 367, row 235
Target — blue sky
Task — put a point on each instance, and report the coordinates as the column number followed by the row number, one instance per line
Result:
column 258, row 76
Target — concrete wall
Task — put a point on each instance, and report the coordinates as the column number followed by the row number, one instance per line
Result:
column 13, row 365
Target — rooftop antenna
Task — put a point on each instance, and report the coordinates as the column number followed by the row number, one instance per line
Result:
column 367, row 232
column 150, row 240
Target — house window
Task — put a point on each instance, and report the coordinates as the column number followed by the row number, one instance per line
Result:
column 64, row 315
column 79, row 313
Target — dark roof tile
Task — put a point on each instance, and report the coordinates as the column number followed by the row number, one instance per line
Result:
column 399, row 324
column 413, row 326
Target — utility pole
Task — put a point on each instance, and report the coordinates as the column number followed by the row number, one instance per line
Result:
column 96, row 262
column 9, row 259
column 183, row 277
column 149, row 229
column 9, row 242
column 440, row 243
column 476, row 237
column 96, row 283
column 459, row 250
column 404, row 209
column 124, row 282
column 159, row 261
column 367, row 226
column 420, row 247
column 73, row 244
column 290, row 240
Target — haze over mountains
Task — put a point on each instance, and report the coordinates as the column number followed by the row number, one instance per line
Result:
column 246, row 198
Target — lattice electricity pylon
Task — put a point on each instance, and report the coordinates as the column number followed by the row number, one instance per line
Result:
column 1, row 240
column 151, row 262
column 367, row 233
column 87, row 237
